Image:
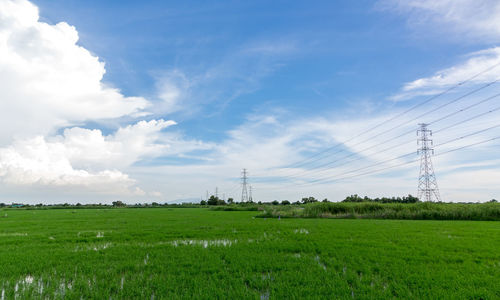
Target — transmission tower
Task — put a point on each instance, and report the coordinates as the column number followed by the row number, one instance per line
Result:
column 250, row 198
column 216, row 192
column 427, row 184
column 244, row 182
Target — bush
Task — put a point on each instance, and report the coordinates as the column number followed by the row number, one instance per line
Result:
column 416, row 211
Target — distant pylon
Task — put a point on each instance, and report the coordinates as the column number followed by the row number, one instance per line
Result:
column 250, row 198
column 244, row 182
column 427, row 184
column 216, row 192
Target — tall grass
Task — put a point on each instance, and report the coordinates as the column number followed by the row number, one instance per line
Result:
column 412, row 211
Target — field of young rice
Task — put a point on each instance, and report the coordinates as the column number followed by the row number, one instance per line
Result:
column 167, row 253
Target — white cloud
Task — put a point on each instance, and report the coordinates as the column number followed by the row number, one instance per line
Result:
column 37, row 162
column 214, row 86
column 87, row 148
column 83, row 157
column 173, row 88
column 476, row 63
column 47, row 80
column 265, row 143
column 476, row 21
column 469, row 19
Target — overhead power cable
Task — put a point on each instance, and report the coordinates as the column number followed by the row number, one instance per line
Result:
column 329, row 178
column 409, row 121
column 305, row 161
column 412, row 153
column 295, row 175
column 415, row 160
column 408, row 162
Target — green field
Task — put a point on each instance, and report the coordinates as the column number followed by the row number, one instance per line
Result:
column 167, row 253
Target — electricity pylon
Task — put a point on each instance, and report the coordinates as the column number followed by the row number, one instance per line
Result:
column 250, row 198
column 244, row 182
column 427, row 184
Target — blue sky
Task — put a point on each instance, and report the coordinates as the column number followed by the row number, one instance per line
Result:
column 299, row 56
column 195, row 91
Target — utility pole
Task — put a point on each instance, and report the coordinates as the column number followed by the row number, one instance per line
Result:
column 207, row 195
column 244, row 182
column 427, row 184
column 250, row 198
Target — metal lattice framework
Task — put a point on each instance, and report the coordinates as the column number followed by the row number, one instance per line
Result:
column 427, row 184
column 244, row 183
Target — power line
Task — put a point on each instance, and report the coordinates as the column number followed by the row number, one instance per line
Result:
column 321, row 155
column 403, row 134
column 300, row 163
column 328, row 178
column 412, row 120
column 412, row 161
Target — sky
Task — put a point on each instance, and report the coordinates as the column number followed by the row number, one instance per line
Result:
column 162, row 101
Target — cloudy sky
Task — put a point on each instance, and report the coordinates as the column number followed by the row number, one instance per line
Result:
column 145, row 101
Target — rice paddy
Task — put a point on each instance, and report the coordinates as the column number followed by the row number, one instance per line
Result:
column 167, row 253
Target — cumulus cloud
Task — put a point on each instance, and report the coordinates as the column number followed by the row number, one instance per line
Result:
column 37, row 162
column 81, row 157
column 47, row 80
column 86, row 148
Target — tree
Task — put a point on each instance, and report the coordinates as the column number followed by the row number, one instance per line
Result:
column 203, row 202
column 309, row 200
column 275, row 202
column 212, row 200
column 325, row 200
column 356, row 198
column 215, row 201
column 230, row 200
column 118, row 203
column 353, row 198
column 285, row 202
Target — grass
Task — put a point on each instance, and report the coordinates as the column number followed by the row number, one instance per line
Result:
column 372, row 210
column 167, row 253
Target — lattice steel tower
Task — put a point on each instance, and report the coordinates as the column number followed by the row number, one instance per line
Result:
column 427, row 184
column 244, row 183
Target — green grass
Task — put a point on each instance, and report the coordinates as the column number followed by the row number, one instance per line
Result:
column 373, row 210
column 199, row 254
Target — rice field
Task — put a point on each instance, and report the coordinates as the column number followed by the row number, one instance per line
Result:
column 166, row 253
